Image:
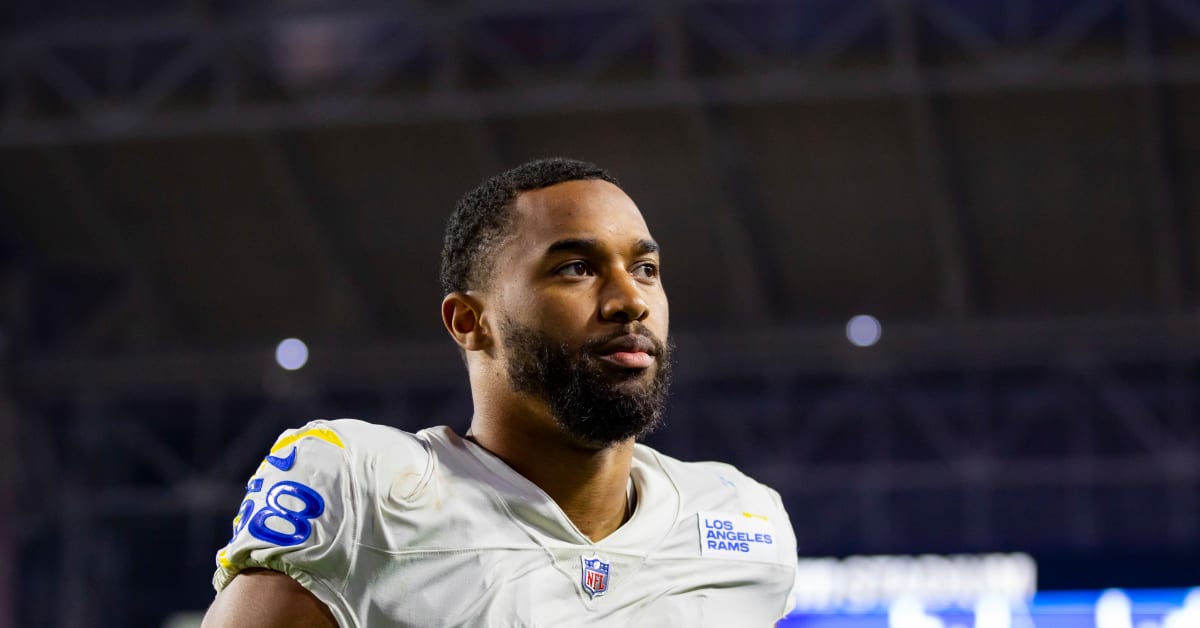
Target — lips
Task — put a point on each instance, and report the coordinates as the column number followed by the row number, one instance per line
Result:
column 628, row 351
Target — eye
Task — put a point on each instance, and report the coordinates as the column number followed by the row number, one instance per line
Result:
column 573, row 269
column 646, row 271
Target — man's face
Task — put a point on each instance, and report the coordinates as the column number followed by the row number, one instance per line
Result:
column 581, row 311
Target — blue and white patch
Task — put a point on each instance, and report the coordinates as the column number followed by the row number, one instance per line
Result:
column 737, row 536
column 595, row 575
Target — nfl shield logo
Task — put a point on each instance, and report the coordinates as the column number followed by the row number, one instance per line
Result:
column 595, row 575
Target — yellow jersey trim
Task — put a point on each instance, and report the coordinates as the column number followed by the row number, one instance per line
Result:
column 322, row 433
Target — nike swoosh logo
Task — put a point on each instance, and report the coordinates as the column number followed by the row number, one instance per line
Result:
column 283, row 464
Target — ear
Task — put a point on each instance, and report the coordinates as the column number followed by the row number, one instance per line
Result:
column 462, row 314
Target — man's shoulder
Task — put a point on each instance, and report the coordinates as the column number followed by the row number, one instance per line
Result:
column 364, row 435
column 703, row 471
column 304, row 505
column 354, row 442
column 720, row 494
column 710, row 481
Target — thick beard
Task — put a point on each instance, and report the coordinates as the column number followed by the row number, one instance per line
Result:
column 595, row 404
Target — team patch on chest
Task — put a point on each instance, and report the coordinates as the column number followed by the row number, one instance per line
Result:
column 736, row 536
column 595, row 575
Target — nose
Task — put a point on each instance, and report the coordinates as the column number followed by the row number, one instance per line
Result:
column 622, row 300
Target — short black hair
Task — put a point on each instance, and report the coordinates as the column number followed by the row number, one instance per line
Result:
column 480, row 220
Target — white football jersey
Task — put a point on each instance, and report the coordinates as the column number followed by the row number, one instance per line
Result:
column 392, row 529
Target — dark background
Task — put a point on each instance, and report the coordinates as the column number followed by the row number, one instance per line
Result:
column 1010, row 187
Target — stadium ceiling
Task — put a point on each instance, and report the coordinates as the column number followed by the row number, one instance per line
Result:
column 1008, row 186
column 221, row 174
column 197, row 70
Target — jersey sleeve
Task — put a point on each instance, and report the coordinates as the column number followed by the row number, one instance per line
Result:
column 298, row 516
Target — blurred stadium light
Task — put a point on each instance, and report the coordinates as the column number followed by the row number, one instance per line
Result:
column 1113, row 608
column 864, row 330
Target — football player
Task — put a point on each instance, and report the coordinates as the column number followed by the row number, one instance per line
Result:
column 547, row 511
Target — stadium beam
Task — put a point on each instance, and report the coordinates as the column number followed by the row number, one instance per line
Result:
column 304, row 219
column 135, row 310
column 742, row 219
column 10, row 463
column 937, row 185
column 1155, row 135
column 956, row 456
column 150, row 108
column 811, row 350
column 76, row 519
column 787, row 449
column 1184, row 497
column 898, row 431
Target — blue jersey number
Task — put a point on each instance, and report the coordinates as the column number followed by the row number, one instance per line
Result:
column 246, row 509
column 293, row 502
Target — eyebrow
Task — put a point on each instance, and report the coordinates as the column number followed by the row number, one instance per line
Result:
column 591, row 245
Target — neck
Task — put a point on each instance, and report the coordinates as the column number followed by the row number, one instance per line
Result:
column 588, row 484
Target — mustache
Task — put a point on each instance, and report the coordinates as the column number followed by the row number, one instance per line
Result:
column 592, row 347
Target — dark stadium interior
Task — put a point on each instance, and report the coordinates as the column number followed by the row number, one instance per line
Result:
column 1009, row 187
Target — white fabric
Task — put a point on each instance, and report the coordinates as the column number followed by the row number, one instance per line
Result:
column 429, row 529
